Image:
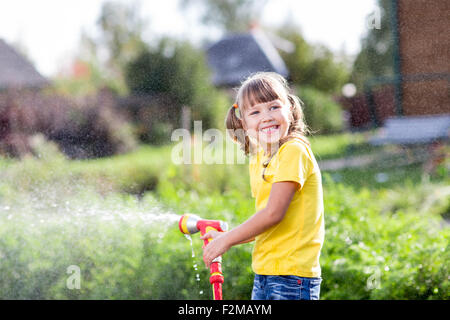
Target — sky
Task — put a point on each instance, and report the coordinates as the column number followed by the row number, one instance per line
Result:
column 48, row 31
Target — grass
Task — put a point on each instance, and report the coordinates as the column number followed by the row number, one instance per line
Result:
column 327, row 147
column 134, row 172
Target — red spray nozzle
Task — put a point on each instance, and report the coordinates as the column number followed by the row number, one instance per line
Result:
column 190, row 224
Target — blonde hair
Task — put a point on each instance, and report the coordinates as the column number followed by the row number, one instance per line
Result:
column 264, row 87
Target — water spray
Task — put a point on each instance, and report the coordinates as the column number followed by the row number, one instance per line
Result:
column 190, row 224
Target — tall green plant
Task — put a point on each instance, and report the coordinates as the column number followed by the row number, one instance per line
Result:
column 376, row 56
column 322, row 114
column 312, row 65
column 228, row 15
column 178, row 70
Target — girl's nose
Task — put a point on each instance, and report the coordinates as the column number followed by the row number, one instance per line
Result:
column 266, row 116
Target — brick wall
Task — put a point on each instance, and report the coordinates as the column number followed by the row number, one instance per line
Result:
column 425, row 48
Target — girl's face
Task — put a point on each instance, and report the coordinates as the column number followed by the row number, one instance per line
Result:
column 267, row 122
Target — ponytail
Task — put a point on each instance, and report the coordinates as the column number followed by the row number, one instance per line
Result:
column 237, row 133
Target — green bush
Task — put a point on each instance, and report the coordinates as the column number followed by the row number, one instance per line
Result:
column 83, row 128
column 371, row 253
column 322, row 114
column 131, row 249
column 179, row 72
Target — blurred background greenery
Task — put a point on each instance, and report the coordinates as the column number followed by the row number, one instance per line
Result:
column 87, row 175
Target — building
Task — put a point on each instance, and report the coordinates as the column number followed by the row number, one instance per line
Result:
column 424, row 56
column 420, row 85
column 237, row 56
column 16, row 72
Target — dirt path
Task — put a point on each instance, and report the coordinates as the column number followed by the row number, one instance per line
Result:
column 380, row 159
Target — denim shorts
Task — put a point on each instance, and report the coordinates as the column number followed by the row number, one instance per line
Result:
column 285, row 288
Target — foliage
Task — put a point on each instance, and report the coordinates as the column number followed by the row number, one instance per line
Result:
column 134, row 173
column 178, row 71
column 322, row 114
column 127, row 249
column 342, row 145
column 299, row 60
column 388, row 242
column 228, row 15
column 312, row 65
column 91, row 127
column 85, row 78
column 118, row 40
column 371, row 254
column 376, row 56
column 325, row 73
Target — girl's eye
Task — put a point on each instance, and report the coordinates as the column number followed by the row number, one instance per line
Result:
column 253, row 112
column 274, row 107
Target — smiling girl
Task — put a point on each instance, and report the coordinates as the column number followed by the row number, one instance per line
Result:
column 288, row 226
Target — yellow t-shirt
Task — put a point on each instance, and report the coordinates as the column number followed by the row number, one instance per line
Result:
column 292, row 247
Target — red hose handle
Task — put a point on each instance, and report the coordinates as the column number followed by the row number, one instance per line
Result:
column 217, row 291
column 215, row 270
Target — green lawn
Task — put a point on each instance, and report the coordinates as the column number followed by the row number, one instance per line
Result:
column 340, row 145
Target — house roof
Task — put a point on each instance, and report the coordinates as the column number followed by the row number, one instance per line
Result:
column 236, row 56
column 16, row 71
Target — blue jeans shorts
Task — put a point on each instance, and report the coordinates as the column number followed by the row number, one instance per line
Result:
column 285, row 288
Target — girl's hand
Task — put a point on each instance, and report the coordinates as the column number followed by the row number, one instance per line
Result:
column 216, row 247
column 210, row 235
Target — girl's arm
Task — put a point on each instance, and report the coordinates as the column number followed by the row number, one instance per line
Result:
column 214, row 234
column 279, row 199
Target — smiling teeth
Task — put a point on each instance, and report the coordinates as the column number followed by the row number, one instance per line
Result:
column 269, row 128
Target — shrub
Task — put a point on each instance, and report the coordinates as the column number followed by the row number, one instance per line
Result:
column 91, row 127
column 178, row 72
column 371, row 253
column 322, row 114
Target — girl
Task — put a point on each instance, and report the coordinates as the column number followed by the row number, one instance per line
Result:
column 288, row 227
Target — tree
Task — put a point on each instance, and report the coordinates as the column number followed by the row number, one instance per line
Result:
column 314, row 66
column 325, row 73
column 376, row 56
column 118, row 42
column 122, row 30
column 298, row 60
column 228, row 15
column 178, row 70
